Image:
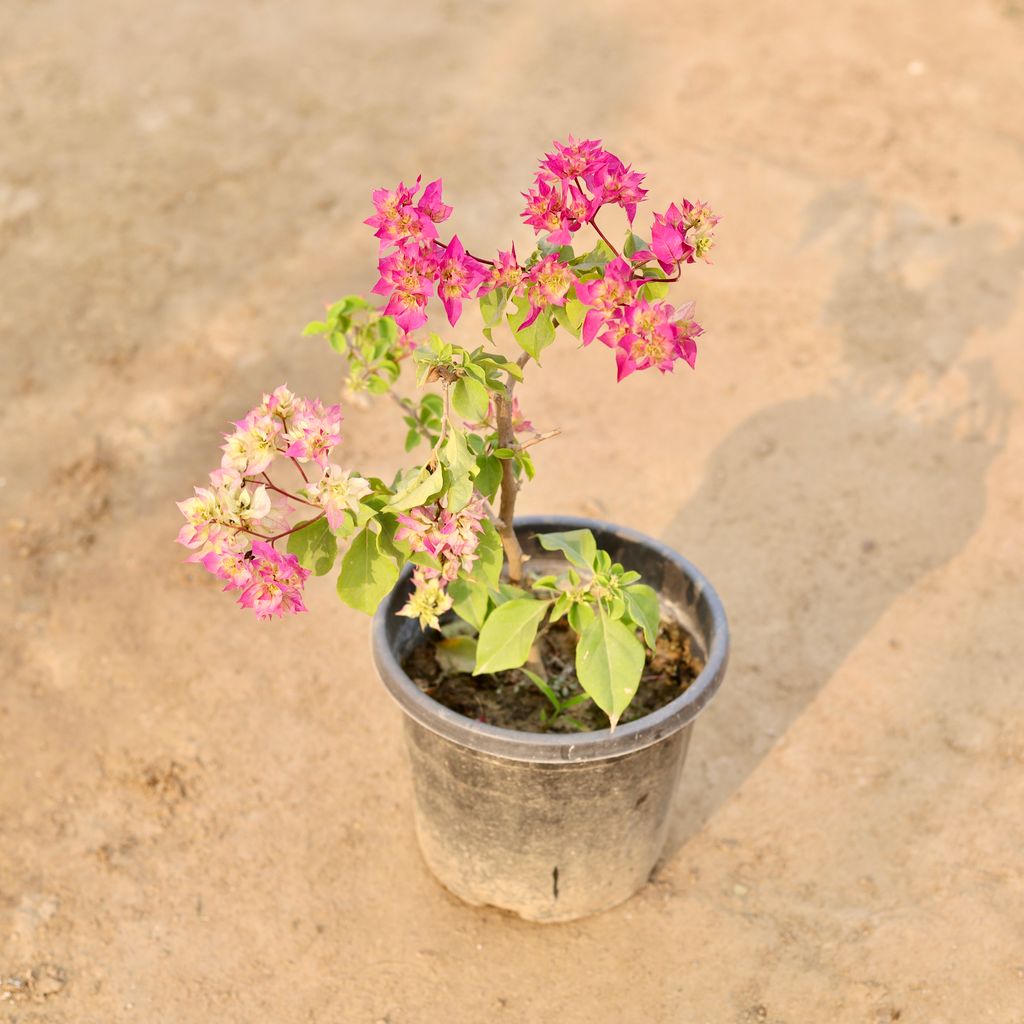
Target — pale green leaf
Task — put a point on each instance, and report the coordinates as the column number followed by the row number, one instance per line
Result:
column 644, row 609
column 578, row 546
column 315, row 546
column 609, row 663
column 457, row 653
column 418, row 490
column 367, row 574
column 470, row 399
column 470, row 601
column 490, row 555
column 508, row 635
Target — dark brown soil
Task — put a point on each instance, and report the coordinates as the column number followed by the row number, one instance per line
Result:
column 511, row 699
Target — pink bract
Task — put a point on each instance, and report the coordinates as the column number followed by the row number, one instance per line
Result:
column 275, row 586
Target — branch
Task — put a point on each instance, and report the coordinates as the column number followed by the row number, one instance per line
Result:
column 538, row 438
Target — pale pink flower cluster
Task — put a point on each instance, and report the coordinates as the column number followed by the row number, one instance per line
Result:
column 299, row 428
column 452, row 540
column 337, row 491
column 231, row 526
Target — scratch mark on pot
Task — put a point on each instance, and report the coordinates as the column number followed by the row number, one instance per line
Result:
column 554, row 882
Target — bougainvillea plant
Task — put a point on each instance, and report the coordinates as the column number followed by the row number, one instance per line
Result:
column 450, row 514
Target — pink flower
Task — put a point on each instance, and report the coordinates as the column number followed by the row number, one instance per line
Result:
column 338, row 491
column 457, row 275
column 668, row 239
column 543, row 208
column 412, row 267
column 699, row 222
column 548, row 281
column 657, row 337
column 680, row 236
column 408, row 310
column 432, row 205
column 253, row 445
column 559, row 210
column 275, row 584
column 229, row 565
column 606, row 295
column 614, row 182
column 574, row 160
column 397, row 219
column 450, row 538
column 314, row 432
column 506, row 273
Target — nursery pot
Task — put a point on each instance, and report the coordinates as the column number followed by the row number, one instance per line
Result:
column 552, row 827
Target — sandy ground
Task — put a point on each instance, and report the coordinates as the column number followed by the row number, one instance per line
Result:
column 207, row 819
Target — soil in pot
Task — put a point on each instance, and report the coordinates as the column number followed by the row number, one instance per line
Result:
column 512, row 701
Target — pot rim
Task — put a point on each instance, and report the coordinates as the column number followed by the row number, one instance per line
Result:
column 554, row 748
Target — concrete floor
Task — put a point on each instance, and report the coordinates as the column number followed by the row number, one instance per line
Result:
column 203, row 818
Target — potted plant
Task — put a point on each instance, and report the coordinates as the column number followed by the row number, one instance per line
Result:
column 549, row 668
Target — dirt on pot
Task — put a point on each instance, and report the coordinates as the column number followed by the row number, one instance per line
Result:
column 511, row 700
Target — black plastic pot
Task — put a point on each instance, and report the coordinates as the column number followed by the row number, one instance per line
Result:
column 552, row 827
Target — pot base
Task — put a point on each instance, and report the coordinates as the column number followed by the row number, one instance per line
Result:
column 547, row 842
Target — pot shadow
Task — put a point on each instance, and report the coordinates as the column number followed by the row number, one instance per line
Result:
column 817, row 513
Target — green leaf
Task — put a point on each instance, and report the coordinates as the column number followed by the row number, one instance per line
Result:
column 470, row 399
column 315, row 546
column 470, row 602
column 489, row 477
column 457, row 653
column 367, row 574
column 314, row 327
column 580, row 616
column 544, row 688
column 644, row 609
column 609, row 663
column 535, row 338
column 418, row 491
column 578, row 546
column 654, row 290
column 388, row 329
column 490, row 555
column 492, row 305
column 575, row 313
column 508, row 634
column 507, row 592
column 634, row 243
column 562, row 604
column 457, row 455
column 459, row 495
column 597, row 257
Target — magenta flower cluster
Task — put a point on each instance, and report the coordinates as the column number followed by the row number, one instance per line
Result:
column 573, row 184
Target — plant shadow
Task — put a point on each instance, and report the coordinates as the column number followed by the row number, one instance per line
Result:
column 819, row 512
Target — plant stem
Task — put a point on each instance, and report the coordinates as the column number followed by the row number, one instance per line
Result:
column 593, row 222
column 270, row 485
column 278, row 536
column 509, row 487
